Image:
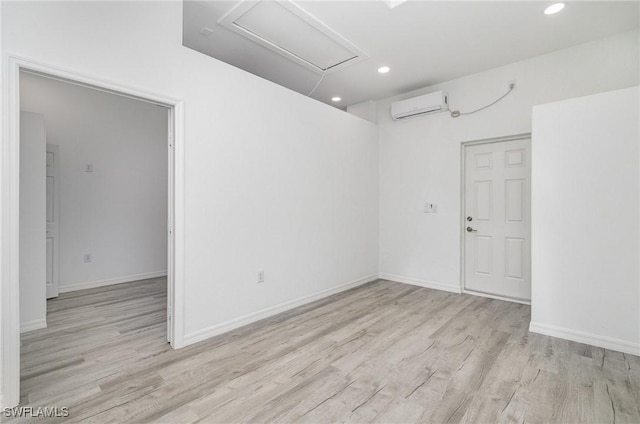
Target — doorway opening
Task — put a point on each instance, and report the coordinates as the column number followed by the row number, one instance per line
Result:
column 10, row 192
column 496, row 218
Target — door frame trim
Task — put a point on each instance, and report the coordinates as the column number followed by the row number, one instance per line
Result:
column 463, row 164
column 10, row 214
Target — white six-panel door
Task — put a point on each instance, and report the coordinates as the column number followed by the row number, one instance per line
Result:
column 52, row 198
column 497, row 220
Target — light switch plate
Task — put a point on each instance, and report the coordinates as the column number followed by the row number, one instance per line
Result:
column 430, row 208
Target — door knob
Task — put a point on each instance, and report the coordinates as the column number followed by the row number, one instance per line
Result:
column 471, row 230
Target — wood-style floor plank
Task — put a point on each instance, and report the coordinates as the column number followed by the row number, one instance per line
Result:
column 384, row 352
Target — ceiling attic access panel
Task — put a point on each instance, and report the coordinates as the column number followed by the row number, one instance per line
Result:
column 287, row 29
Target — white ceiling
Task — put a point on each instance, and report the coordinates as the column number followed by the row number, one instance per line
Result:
column 423, row 42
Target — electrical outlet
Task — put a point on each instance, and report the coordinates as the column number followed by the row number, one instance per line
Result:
column 87, row 257
column 260, row 276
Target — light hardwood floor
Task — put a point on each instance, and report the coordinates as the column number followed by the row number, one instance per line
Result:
column 384, row 352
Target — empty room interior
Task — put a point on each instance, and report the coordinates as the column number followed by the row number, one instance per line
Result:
column 320, row 211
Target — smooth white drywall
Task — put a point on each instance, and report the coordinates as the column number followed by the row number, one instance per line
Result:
column 32, row 221
column 585, row 230
column 118, row 212
column 420, row 157
column 274, row 180
column 365, row 110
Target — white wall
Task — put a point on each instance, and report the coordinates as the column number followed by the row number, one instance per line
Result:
column 274, row 180
column 118, row 212
column 420, row 158
column 585, row 230
column 32, row 221
column 365, row 110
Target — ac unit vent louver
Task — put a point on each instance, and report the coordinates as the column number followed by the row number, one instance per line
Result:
column 421, row 105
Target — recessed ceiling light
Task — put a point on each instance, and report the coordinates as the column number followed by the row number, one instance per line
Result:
column 206, row 31
column 554, row 8
column 384, row 69
column 336, row 99
column 394, row 3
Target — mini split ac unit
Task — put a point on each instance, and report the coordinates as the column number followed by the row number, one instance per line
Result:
column 421, row 105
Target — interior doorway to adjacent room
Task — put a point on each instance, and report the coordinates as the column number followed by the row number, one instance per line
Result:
column 496, row 221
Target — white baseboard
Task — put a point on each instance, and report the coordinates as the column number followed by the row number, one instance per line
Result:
column 421, row 283
column 611, row 343
column 224, row 327
column 108, row 282
column 36, row 324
